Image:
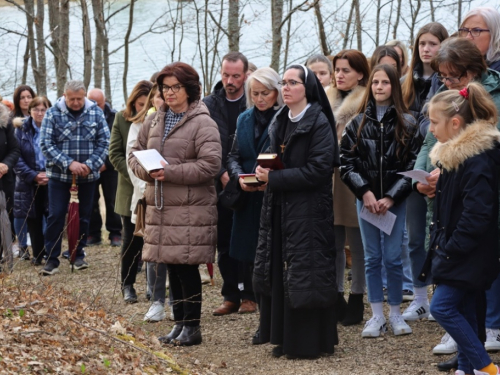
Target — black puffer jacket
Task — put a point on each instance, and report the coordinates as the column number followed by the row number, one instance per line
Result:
column 374, row 164
column 9, row 153
column 216, row 104
column 422, row 87
column 463, row 248
column 304, row 190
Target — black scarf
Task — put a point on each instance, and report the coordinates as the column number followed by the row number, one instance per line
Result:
column 262, row 120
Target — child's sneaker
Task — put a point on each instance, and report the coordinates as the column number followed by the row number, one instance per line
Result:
column 447, row 346
column 492, row 343
column 374, row 327
column 398, row 325
column 459, row 372
column 476, row 372
column 416, row 311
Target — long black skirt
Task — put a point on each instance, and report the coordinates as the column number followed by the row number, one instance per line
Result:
column 301, row 332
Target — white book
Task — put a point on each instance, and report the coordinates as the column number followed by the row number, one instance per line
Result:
column 150, row 159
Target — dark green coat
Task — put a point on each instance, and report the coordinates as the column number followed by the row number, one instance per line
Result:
column 117, row 156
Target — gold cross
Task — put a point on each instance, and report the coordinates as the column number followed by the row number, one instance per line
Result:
column 282, row 148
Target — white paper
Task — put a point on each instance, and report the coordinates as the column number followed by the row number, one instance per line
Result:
column 417, row 174
column 149, row 159
column 383, row 222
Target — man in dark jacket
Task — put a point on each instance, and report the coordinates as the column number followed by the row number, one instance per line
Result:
column 108, row 180
column 225, row 105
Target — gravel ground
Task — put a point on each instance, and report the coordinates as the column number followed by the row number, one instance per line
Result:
column 226, row 347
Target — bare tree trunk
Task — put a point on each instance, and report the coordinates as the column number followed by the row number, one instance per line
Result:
column 125, row 58
column 321, row 28
column 396, row 23
column 433, row 16
column 359, row 28
column 101, row 60
column 348, row 26
column 40, row 46
column 98, row 61
column 26, row 59
column 459, row 20
column 276, row 17
column 30, row 11
column 414, row 20
column 87, row 45
column 59, row 26
column 377, row 24
column 288, row 34
column 233, row 26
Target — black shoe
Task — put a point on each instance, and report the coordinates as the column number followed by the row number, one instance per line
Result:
column 80, row 264
column 354, row 311
column 189, row 336
column 115, row 241
column 94, row 241
column 36, row 261
column 49, row 269
column 256, row 340
column 277, row 351
column 148, row 295
column 139, row 266
column 340, row 307
column 174, row 333
column 24, row 253
column 129, row 294
column 452, row 363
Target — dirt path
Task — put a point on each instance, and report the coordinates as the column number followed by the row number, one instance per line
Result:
column 226, row 348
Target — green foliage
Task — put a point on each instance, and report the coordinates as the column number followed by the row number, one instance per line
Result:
column 21, row 313
column 83, row 368
column 106, row 362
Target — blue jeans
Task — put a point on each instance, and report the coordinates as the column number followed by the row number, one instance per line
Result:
column 493, row 305
column 58, row 208
column 21, row 227
column 405, row 259
column 454, row 309
column 416, row 221
column 390, row 254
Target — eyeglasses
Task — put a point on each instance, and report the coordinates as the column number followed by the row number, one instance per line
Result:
column 291, row 83
column 36, row 110
column 174, row 88
column 452, row 80
column 475, row 32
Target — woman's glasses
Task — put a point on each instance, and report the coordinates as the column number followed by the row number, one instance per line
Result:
column 41, row 111
column 452, row 80
column 475, row 32
column 290, row 83
column 174, row 88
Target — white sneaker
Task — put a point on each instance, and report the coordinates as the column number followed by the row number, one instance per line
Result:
column 15, row 250
column 459, row 372
column 205, row 277
column 374, row 327
column 156, row 312
column 399, row 326
column 416, row 311
column 447, row 346
column 430, row 318
column 492, row 343
column 476, row 372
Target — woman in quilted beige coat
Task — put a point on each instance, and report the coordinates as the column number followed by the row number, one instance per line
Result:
column 181, row 213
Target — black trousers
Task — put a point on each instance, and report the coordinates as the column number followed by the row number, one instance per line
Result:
column 35, row 224
column 109, row 182
column 131, row 252
column 185, row 286
column 231, row 270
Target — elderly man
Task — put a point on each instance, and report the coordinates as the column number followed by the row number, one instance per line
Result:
column 74, row 139
column 108, row 182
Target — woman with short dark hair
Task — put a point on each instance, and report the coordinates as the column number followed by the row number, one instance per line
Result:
column 181, row 213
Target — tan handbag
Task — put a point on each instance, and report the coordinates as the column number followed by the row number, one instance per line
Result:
column 140, row 220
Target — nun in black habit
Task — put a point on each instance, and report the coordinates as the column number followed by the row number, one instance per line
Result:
column 294, row 273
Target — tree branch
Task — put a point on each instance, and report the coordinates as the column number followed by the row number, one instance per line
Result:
column 298, row 9
column 217, row 23
column 20, row 8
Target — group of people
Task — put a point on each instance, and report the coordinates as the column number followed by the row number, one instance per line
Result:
column 345, row 128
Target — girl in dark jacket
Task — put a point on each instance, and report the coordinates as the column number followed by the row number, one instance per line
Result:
column 375, row 147
column 415, row 88
column 31, row 194
column 295, row 260
column 463, row 253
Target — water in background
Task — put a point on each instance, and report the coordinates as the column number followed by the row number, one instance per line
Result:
column 153, row 51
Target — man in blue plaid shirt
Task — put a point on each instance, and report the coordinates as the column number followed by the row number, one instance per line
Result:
column 74, row 138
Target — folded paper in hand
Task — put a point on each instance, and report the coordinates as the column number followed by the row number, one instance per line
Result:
column 383, row 222
column 150, row 159
column 417, row 174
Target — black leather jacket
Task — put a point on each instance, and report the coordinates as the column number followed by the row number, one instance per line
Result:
column 374, row 163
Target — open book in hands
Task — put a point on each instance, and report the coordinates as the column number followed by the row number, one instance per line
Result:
column 271, row 161
column 150, row 160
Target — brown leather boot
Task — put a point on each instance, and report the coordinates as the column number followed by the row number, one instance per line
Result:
column 226, row 308
column 247, row 307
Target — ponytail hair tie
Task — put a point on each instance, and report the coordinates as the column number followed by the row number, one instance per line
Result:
column 465, row 93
